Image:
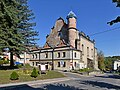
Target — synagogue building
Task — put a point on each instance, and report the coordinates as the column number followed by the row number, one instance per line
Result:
column 66, row 47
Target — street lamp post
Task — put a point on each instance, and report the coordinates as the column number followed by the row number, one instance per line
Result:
column 53, row 59
column 72, row 60
column 39, row 61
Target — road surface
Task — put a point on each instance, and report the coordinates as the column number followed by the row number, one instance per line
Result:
column 75, row 82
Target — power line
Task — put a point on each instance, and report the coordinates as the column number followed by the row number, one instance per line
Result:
column 104, row 31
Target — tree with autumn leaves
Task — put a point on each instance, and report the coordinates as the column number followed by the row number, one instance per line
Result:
column 101, row 64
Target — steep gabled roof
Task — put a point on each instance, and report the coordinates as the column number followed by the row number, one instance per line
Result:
column 58, row 34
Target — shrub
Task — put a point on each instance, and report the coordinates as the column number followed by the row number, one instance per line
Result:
column 34, row 73
column 1, row 62
column 14, row 76
column 27, row 65
column 6, row 61
column 19, row 65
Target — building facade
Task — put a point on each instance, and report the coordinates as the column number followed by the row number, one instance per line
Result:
column 66, row 47
column 116, row 65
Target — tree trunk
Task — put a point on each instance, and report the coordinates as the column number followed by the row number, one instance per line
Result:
column 11, row 59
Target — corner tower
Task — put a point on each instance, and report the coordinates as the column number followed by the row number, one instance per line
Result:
column 72, row 31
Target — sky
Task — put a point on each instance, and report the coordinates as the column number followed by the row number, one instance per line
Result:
column 92, row 17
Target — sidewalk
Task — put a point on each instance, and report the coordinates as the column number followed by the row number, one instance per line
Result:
column 34, row 83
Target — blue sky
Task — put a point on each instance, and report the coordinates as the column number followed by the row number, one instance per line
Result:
column 92, row 17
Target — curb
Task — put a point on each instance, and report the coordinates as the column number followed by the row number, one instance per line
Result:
column 34, row 83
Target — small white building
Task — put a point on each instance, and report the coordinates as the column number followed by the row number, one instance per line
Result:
column 116, row 64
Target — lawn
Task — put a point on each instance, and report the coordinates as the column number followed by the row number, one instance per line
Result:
column 5, row 76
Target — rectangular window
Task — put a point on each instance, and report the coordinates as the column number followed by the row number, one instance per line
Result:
column 64, row 65
column 82, row 49
column 33, row 56
column 88, row 51
column 58, row 64
column 75, row 54
column 75, row 64
column 33, row 63
column 36, row 56
column 58, row 55
column 36, row 63
column 64, row 54
column 92, row 53
column 46, row 55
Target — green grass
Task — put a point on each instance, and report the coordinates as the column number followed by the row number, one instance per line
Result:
column 5, row 76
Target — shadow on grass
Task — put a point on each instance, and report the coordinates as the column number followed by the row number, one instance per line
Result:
column 47, row 87
column 8, row 67
column 101, row 84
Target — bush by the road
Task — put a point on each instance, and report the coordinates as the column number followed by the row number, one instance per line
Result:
column 14, row 76
column 34, row 73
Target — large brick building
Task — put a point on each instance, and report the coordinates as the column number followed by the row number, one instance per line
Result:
column 66, row 47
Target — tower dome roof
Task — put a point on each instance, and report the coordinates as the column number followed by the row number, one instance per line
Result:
column 71, row 15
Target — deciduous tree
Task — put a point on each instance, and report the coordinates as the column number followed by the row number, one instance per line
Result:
column 101, row 65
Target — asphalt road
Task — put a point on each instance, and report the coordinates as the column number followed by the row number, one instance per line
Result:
column 78, row 82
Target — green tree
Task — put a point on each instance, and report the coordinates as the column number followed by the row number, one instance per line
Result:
column 14, row 76
column 101, row 65
column 9, row 35
column 34, row 73
column 16, row 31
column 118, row 18
column 108, row 63
column 26, row 25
